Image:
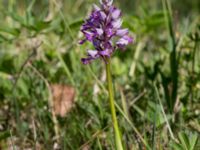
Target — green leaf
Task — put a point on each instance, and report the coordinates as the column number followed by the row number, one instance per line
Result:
column 23, row 89
column 13, row 31
column 76, row 24
column 4, row 135
column 193, row 141
column 3, row 38
column 177, row 146
column 184, row 140
column 4, row 75
column 17, row 18
column 40, row 25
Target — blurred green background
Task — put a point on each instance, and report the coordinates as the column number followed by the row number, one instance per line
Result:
column 156, row 80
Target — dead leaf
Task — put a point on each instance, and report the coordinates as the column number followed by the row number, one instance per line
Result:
column 63, row 99
column 86, row 147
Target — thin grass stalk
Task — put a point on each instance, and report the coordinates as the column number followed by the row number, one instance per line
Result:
column 139, row 47
column 193, row 66
column 173, row 54
column 99, row 144
column 65, row 67
column 118, row 141
column 65, row 21
column 153, row 141
column 163, row 112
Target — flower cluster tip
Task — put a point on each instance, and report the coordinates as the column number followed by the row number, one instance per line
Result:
column 103, row 30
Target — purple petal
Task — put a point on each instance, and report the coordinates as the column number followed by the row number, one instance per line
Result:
column 95, row 18
column 128, row 38
column 82, row 41
column 92, row 54
column 103, row 15
column 116, row 13
column 97, row 44
column 89, row 35
column 108, row 45
column 85, row 27
column 122, row 32
column 109, row 32
column 105, row 53
column 86, row 61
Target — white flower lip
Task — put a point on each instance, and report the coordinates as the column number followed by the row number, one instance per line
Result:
column 108, row 2
column 99, row 31
column 122, row 32
column 92, row 53
column 117, row 24
column 122, row 41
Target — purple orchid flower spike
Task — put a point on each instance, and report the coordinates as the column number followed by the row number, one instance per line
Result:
column 103, row 30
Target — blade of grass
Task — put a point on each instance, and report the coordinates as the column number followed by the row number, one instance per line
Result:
column 124, row 103
column 136, row 56
column 164, row 114
column 66, row 69
column 12, row 142
column 154, row 129
column 95, row 135
column 99, row 144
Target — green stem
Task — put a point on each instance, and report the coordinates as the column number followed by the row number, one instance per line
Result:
column 112, row 107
